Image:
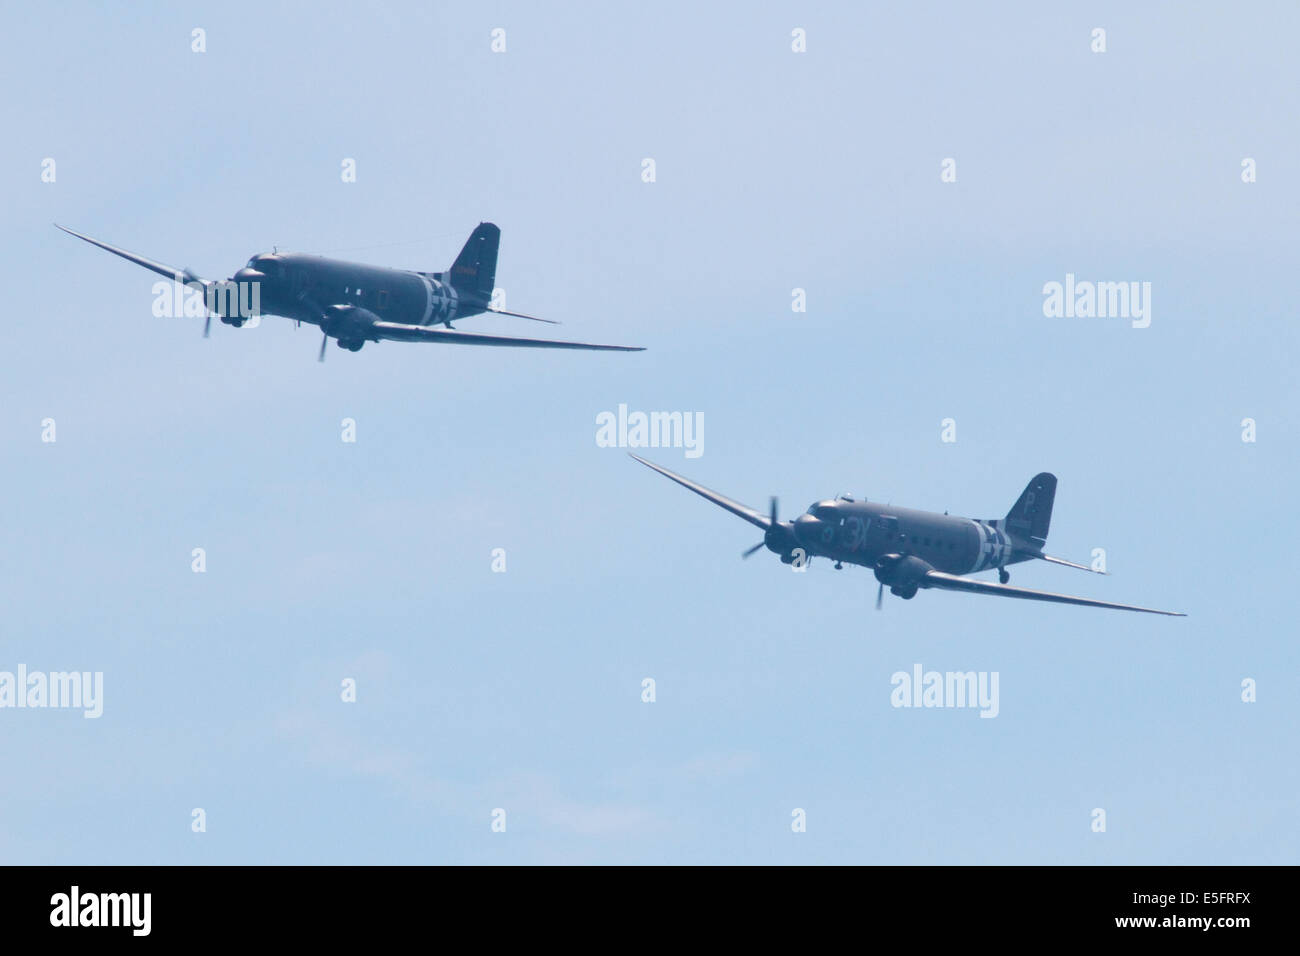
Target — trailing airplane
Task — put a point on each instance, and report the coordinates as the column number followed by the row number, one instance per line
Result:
column 909, row 550
column 357, row 303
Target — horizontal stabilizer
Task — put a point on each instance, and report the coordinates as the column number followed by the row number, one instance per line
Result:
column 1069, row 564
column 519, row 315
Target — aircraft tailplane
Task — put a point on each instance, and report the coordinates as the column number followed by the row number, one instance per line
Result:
column 1031, row 515
column 473, row 274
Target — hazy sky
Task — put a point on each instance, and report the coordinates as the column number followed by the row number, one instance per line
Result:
column 522, row 690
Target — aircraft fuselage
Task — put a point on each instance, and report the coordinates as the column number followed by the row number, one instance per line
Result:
column 324, row 292
column 862, row 532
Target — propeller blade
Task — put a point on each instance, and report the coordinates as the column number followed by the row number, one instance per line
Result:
column 880, row 595
column 752, row 550
column 324, row 341
column 207, row 325
column 773, row 511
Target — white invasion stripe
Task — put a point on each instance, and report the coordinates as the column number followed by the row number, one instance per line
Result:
column 979, row 552
column 428, row 300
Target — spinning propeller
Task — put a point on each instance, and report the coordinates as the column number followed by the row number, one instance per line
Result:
column 189, row 277
column 775, row 524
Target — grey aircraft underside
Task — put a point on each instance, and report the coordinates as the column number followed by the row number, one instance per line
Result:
column 357, row 303
column 910, row 550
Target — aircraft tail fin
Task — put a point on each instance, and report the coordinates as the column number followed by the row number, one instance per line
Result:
column 1031, row 515
column 474, row 273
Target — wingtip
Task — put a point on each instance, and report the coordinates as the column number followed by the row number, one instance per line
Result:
column 649, row 464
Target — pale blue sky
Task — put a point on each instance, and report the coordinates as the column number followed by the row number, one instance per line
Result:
column 522, row 690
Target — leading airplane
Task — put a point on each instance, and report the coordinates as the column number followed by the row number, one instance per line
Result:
column 356, row 303
column 910, row 550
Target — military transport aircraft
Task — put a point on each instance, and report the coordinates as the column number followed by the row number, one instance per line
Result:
column 909, row 550
column 356, row 303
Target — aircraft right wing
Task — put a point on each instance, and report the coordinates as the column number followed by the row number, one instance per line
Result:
column 951, row 582
column 735, row 507
column 423, row 333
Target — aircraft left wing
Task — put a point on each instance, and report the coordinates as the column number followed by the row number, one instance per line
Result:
column 423, row 333
column 951, row 582
column 171, row 272
column 722, row 501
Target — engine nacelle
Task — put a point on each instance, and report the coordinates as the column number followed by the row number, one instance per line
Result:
column 349, row 323
column 902, row 573
column 780, row 539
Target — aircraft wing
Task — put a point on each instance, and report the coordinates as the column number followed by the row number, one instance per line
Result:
column 735, row 507
column 170, row 272
column 951, row 582
column 423, row 333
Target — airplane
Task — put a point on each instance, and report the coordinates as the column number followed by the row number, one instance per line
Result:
column 911, row 550
column 357, row 303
